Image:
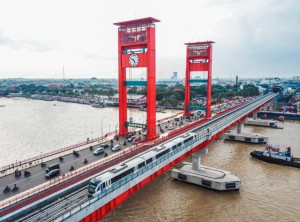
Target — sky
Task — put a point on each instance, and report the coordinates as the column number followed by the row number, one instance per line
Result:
column 253, row 38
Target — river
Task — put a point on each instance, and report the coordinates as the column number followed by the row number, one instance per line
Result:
column 31, row 127
column 268, row 192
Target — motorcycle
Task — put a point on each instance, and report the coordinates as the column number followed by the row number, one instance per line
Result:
column 27, row 173
column 105, row 154
column 85, row 161
column 6, row 189
column 17, row 173
column 61, row 158
column 71, row 168
column 75, row 153
column 15, row 188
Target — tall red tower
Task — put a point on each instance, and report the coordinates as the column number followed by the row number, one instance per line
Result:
column 136, row 49
column 198, row 58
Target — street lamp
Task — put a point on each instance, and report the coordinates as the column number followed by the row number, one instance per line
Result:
column 102, row 124
column 117, row 128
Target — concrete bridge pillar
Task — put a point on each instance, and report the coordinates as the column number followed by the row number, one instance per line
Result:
column 196, row 162
column 239, row 127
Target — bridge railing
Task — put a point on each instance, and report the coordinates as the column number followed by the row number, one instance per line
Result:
column 133, row 150
column 45, row 155
column 200, row 139
column 85, row 169
column 67, row 214
column 203, row 136
column 102, row 162
column 30, row 160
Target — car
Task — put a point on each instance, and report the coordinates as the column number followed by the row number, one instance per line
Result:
column 137, row 140
column 116, row 148
column 130, row 139
column 177, row 119
column 52, row 173
column 170, row 127
column 104, row 146
column 98, row 151
column 52, row 167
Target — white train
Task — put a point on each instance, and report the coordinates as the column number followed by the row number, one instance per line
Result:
column 104, row 180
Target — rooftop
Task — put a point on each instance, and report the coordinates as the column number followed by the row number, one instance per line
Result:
column 199, row 43
column 137, row 21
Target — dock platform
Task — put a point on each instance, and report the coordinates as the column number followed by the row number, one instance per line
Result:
column 265, row 123
column 246, row 137
column 208, row 177
column 204, row 176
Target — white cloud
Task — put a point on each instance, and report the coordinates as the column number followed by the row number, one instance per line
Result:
column 252, row 37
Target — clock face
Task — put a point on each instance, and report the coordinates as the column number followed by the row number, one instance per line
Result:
column 133, row 60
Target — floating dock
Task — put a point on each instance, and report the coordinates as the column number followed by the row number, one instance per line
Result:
column 204, row 176
column 246, row 137
column 276, row 115
column 266, row 123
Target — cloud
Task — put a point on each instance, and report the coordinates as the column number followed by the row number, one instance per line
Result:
column 29, row 44
column 252, row 36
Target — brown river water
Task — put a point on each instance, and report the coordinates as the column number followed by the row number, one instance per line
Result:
column 268, row 192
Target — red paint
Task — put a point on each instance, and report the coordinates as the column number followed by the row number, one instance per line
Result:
column 101, row 212
column 118, row 160
column 198, row 51
column 137, row 36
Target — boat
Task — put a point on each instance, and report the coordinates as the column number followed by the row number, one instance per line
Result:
column 273, row 154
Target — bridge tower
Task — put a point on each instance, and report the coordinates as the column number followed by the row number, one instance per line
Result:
column 198, row 58
column 136, row 49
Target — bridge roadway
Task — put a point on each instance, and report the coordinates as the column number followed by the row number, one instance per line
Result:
column 55, row 210
column 38, row 173
column 82, row 156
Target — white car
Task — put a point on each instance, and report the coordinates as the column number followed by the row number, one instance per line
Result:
column 99, row 151
column 131, row 139
column 116, row 147
column 170, row 127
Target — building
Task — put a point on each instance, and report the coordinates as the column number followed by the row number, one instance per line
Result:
column 175, row 76
column 133, row 100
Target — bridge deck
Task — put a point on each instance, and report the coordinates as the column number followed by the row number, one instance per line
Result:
column 84, row 154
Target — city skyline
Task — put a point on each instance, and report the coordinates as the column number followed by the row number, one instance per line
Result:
column 252, row 38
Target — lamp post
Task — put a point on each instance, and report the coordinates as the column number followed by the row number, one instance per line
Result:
column 117, row 128
column 102, row 124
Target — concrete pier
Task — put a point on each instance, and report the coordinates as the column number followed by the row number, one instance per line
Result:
column 266, row 123
column 246, row 137
column 206, row 176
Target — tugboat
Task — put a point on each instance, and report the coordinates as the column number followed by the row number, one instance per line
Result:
column 272, row 154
